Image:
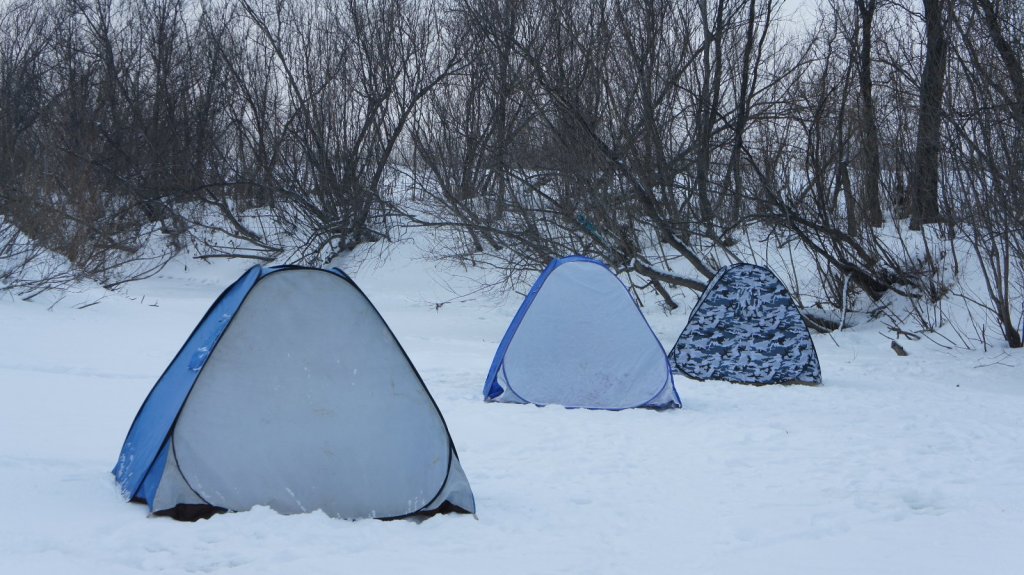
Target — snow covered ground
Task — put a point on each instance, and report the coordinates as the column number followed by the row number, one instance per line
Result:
column 895, row 465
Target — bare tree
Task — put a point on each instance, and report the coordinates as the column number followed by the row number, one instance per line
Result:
column 872, row 201
column 924, row 180
column 353, row 76
column 987, row 160
column 639, row 113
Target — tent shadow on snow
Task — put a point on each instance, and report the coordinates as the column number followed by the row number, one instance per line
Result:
column 579, row 340
column 745, row 328
column 292, row 393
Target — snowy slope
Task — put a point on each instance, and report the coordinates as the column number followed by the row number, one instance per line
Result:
column 895, row 465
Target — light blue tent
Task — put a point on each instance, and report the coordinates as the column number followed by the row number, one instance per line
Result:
column 292, row 393
column 745, row 328
column 579, row 340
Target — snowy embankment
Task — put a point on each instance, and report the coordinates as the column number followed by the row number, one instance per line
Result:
column 895, row 465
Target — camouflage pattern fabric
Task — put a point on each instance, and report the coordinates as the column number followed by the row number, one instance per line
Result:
column 745, row 328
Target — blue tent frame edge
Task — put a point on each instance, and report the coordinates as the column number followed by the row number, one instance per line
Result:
column 130, row 486
column 131, row 491
column 714, row 282
column 492, row 389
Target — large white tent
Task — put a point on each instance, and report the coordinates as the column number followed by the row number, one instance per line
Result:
column 292, row 393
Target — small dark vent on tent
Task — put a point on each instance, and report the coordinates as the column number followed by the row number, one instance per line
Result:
column 292, row 393
column 579, row 340
column 745, row 328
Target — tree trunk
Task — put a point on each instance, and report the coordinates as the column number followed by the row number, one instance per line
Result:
column 1014, row 67
column 708, row 111
column 743, row 112
column 924, row 180
column 872, row 200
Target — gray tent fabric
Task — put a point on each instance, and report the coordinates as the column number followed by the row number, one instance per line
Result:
column 745, row 328
column 579, row 340
column 307, row 402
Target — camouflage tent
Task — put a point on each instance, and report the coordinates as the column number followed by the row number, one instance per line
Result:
column 745, row 328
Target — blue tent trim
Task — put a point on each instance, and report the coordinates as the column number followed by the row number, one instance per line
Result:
column 145, row 448
column 493, row 389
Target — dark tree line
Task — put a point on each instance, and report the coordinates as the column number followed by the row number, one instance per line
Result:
column 133, row 129
column 654, row 134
